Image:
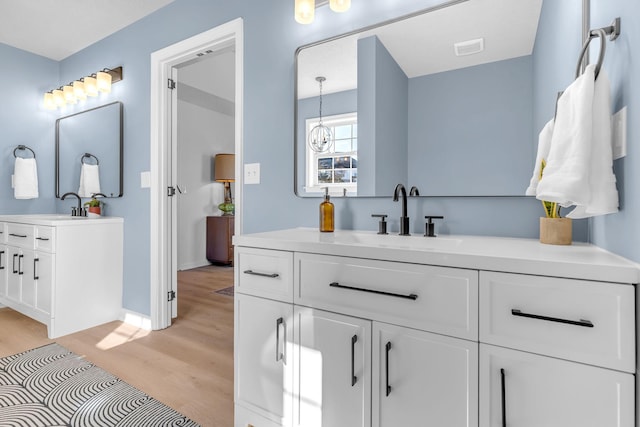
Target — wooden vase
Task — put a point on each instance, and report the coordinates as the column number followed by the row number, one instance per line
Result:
column 555, row 231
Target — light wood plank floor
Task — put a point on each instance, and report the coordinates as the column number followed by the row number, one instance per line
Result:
column 188, row 366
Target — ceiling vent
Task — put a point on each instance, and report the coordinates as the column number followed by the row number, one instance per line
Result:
column 469, row 47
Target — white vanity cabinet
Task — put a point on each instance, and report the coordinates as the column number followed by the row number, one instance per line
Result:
column 65, row 273
column 394, row 331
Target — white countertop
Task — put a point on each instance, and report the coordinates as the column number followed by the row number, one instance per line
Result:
column 526, row 256
column 59, row 219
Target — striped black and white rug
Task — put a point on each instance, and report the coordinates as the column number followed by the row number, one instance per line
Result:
column 52, row 387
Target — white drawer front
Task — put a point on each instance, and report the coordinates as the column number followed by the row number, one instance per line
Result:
column 3, row 232
column 589, row 322
column 265, row 273
column 436, row 299
column 45, row 238
column 21, row 235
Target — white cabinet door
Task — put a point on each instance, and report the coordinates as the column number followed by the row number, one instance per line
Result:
column 332, row 369
column 423, row 379
column 28, row 295
column 43, row 274
column 264, row 359
column 4, row 270
column 519, row 389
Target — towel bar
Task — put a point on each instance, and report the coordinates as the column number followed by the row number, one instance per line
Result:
column 88, row 156
column 613, row 31
column 23, row 147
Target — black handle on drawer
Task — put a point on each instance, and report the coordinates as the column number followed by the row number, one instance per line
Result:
column 354, row 379
column 35, row 268
column 386, row 367
column 581, row 322
column 279, row 355
column 42, row 238
column 391, row 294
column 255, row 273
column 504, row 398
column 1, row 266
column 18, row 235
column 20, row 271
column 15, row 270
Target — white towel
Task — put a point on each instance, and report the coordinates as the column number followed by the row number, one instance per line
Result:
column 544, row 144
column 25, row 179
column 89, row 180
column 579, row 170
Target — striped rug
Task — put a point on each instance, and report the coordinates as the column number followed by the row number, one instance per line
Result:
column 52, row 387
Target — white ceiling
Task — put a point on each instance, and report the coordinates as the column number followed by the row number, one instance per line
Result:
column 424, row 44
column 59, row 28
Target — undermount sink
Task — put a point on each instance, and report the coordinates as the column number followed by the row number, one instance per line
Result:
column 53, row 217
column 414, row 242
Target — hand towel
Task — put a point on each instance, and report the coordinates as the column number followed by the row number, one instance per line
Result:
column 89, row 180
column 544, row 144
column 565, row 178
column 25, row 179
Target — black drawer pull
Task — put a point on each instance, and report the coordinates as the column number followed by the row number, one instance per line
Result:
column 20, row 270
column 391, row 294
column 42, row 238
column 1, row 266
column 255, row 273
column 354, row 378
column 581, row 322
column 387, row 348
column 18, row 235
column 15, row 270
column 35, row 269
column 503, row 394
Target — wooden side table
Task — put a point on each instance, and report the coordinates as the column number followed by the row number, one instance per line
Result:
column 219, row 234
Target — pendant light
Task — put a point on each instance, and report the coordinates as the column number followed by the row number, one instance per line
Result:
column 339, row 5
column 320, row 138
column 305, row 11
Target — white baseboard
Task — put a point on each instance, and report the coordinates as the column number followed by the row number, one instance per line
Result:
column 192, row 264
column 136, row 319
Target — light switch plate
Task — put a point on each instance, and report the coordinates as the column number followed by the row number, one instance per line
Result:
column 145, row 179
column 252, row 173
column 619, row 133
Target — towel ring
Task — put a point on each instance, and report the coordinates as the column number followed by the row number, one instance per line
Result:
column 603, row 45
column 89, row 156
column 23, row 147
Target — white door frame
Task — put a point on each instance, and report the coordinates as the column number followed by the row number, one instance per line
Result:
column 162, row 62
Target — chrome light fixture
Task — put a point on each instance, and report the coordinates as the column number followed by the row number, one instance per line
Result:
column 92, row 85
column 305, row 9
column 320, row 138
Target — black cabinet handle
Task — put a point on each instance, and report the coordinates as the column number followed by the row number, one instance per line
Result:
column 386, row 364
column 391, row 294
column 1, row 266
column 581, row 322
column 354, row 379
column 42, row 238
column 15, row 270
column 504, row 399
column 279, row 354
column 35, row 268
column 20, row 257
column 23, row 236
column 255, row 273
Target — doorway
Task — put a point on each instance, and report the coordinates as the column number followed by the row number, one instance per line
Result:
column 165, row 188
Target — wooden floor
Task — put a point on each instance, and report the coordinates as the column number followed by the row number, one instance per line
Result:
column 188, row 366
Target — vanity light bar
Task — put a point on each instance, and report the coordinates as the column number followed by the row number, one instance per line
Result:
column 92, row 85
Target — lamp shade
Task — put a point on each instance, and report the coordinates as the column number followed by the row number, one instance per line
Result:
column 91, row 86
column 224, row 168
column 103, row 81
column 305, row 11
column 340, row 5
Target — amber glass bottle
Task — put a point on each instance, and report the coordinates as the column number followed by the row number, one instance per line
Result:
column 326, row 213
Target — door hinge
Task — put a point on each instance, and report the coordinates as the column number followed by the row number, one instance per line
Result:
column 171, row 295
column 171, row 84
column 171, row 191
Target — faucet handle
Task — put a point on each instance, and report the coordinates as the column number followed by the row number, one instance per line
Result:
column 382, row 225
column 429, row 225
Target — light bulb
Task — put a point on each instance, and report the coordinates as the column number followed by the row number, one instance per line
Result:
column 58, row 98
column 69, row 96
column 339, row 5
column 103, row 81
column 78, row 90
column 91, row 86
column 49, row 103
column 305, row 11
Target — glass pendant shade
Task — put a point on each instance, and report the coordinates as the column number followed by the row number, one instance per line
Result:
column 69, row 96
column 339, row 5
column 78, row 90
column 103, row 81
column 91, row 86
column 49, row 103
column 305, row 11
column 58, row 98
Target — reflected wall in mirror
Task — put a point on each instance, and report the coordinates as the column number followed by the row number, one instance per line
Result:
column 450, row 99
column 93, row 137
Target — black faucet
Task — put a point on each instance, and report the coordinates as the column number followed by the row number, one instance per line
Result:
column 74, row 211
column 404, row 219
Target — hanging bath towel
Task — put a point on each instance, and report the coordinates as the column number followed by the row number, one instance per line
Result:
column 25, row 179
column 544, row 144
column 89, row 180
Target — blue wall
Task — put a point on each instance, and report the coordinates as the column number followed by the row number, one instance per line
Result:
column 271, row 38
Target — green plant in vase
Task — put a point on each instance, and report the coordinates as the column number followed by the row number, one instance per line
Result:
column 554, row 229
column 93, row 206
